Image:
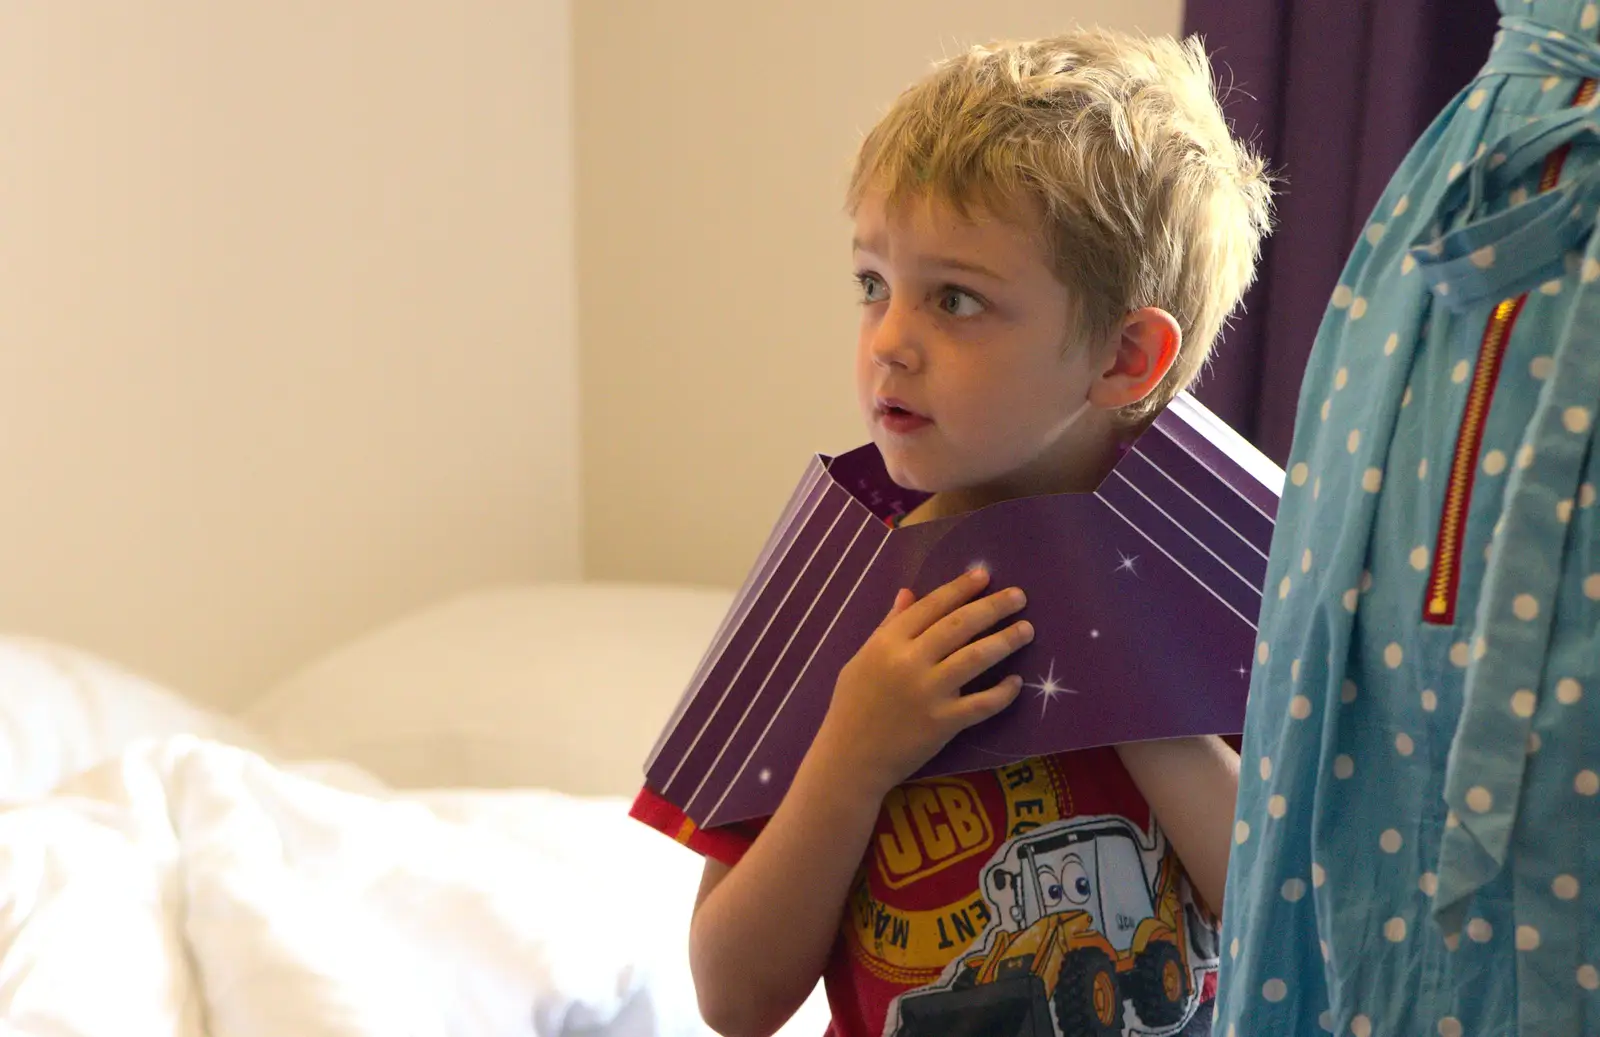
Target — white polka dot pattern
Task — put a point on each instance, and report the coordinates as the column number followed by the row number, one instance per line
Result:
column 1487, row 716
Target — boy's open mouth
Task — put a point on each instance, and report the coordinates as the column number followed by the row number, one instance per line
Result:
column 891, row 405
column 895, row 416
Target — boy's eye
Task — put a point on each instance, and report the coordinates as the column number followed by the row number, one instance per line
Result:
column 872, row 288
column 958, row 303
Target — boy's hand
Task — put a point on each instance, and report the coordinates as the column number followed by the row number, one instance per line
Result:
column 899, row 700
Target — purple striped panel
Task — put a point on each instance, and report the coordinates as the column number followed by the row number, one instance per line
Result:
column 701, row 722
column 794, row 675
column 1222, row 451
column 813, row 484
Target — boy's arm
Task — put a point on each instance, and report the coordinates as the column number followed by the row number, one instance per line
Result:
column 763, row 930
column 1191, row 785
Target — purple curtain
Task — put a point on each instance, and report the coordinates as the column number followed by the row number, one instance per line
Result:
column 1334, row 93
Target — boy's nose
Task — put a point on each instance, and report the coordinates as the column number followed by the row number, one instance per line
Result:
column 894, row 340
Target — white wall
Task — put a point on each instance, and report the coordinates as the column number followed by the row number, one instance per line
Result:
column 287, row 317
column 286, row 320
column 716, row 318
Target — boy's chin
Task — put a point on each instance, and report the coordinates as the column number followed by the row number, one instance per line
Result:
column 909, row 475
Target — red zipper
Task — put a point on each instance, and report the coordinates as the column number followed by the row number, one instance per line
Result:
column 1444, row 582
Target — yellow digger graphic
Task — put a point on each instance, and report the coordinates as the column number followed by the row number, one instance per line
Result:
column 1067, row 944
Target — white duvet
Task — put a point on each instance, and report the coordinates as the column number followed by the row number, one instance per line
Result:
column 189, row 888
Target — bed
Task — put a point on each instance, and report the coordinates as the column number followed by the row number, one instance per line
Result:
column 422, row 832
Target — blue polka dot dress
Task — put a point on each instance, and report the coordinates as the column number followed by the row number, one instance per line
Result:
column 1417, row 846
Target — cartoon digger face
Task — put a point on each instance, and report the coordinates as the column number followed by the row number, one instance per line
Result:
column 1063, row 881
column 1058, row 871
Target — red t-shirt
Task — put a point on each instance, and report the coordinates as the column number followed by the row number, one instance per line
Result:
column 1039, row 894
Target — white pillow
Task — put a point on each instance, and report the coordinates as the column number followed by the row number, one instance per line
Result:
column 63, row 711
column 560, row 686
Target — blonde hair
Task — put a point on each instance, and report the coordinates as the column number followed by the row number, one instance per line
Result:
column 1147, row 198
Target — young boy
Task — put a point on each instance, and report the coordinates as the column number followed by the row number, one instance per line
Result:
column 1048, row 238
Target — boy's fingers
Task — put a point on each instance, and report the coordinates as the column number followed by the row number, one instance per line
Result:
column 902, row 601
column 956, row 631
column 967, row 663
column 940, row 602
column 981, row 705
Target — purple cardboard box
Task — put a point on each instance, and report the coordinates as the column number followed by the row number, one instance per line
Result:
column 1143, row 595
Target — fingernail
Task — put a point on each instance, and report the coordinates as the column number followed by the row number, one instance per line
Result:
column 1018, row 597
column 1025, row 630
column 978, row 575
column 1014, row 680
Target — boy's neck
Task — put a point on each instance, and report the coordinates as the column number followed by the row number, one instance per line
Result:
column 1079, row 478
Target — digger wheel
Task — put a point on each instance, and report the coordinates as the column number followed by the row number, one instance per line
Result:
column 1088, row 1000
column 1158, row 985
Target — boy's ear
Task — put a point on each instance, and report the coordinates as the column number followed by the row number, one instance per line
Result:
column 1145, row 347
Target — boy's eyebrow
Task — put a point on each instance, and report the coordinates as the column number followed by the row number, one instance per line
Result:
column 940, row 262
column 952, row 263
